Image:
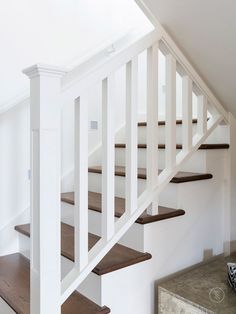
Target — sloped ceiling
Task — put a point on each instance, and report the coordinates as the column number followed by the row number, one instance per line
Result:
column 205, row 30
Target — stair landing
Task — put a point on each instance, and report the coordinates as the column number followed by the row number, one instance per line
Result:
column 204, row 289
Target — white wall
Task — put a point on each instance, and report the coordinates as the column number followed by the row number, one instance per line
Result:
column 14, row 165
column 56, row 32
column 205, row 32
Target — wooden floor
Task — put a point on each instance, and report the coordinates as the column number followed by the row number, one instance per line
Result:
column 95, row 203
column 118, row 257
column 15, row 289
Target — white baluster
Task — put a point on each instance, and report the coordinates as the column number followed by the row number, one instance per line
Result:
column 131, row 135
column 81, row 183
column 152, row 124
column 187, row 130
column 170, row 126
column 201, row 115
column 45, row 262
column 108, row 156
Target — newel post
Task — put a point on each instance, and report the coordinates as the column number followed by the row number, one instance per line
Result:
column 45, row 109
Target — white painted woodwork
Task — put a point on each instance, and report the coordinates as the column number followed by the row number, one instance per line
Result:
column 202, row 115
column 81, row 183
column 111, row 233
column 170, row 111
column 47, row 93
column 131, row 135
column 195, row 197
column 187, row 97
column 152, row 124
column 108, row 157
column 45, row 267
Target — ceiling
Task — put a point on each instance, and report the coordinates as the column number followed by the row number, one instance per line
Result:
column 205, row 30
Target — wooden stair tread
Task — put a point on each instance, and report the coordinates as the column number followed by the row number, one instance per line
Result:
column 163, row 122
column 179, row 146
column 118, row 257
column 180, row 177
column 15, row 289
column 95, row 203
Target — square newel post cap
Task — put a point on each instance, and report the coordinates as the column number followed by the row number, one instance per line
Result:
column 45, row 70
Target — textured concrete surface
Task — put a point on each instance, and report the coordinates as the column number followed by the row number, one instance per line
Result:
column 203, row 289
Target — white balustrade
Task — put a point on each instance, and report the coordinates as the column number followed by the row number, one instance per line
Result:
column 47, row 94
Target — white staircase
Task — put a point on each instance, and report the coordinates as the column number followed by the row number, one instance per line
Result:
column 116, row 270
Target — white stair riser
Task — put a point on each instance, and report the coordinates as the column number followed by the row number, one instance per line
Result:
column 196, row 163
column 5, row 308
column 103, row 289
column 220, row 135
column 121, row 136
column 133, row 237
column 167, row 197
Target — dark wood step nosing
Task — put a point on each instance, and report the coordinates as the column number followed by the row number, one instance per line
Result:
column 184, row 179
column 105, row 270
column 141, row 220
column 163, row 122
column 197, row 177
column 104, row 310
column 142, row 258
column 179, row 146
column 159, row 217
